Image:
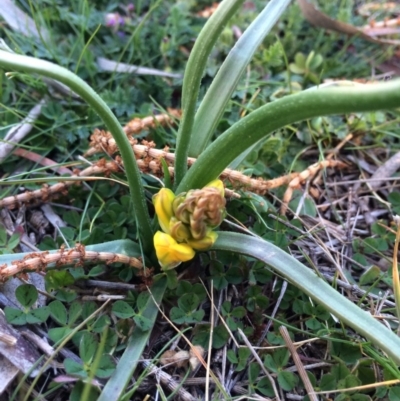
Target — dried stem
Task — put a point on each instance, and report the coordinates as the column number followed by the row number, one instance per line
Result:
column 40, row 261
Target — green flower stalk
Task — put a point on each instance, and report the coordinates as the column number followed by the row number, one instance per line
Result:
column 187, row 221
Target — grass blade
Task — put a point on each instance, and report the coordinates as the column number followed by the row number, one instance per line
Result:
column 343, row 98
column 305, row 279
column 225, row 82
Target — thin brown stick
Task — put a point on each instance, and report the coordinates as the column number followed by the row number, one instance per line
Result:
column 311, row 171
column 102, row 141
column 44, row 193
column 258, row 359
column 297, row 361
column 168, row 381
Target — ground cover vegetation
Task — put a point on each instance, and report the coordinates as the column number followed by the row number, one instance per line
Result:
column 219, row 220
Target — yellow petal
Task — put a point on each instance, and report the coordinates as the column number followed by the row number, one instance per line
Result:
column 162, row 201
column 219, row 185
column 169, row 253
column 205, row 243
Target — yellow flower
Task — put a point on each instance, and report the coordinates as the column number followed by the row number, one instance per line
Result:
column 187, row 221
column 163, row 204
column 169, row 253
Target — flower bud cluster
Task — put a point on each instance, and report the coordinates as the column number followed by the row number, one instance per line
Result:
column 187, row 221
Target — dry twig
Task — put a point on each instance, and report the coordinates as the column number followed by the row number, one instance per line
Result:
column 40, row 261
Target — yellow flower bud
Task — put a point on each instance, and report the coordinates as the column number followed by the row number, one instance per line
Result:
column 178, row 230
column 217, row 184
column 204, row 243
column 162, row 201
column 169, row 253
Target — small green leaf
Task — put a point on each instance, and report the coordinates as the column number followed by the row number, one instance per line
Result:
column 281, row 357
column 56, row 279
column 177, row 315
column 370, row 275
column 66, row 295
column 264, row 386
column 244, row 354
column 72, row 217
column 74, row 368
column 76, row 393
column 217, row 271
column 101, row 323
column 226, row 308
column 287, row 380
column 341, row 371
column 106, row 367
column 348, row 353
column 300, row 59
column 122, row 310
column 200, row 291
column 231, row 323
column 220, row 337
column 232, row 358
column 394, row 393
column 172, row 278
column 234, row 275
column 274, row 338
column 26, row 294
column 308, row 207
column 56, row 334
column 3, row 236
column 142, row 300
column 15, row 316
column 87, row 347
column 111, row 340
column 270, row 363
column 38, row 315
column 253, row 371
column 75, row 310
column 77, row 273
column 313, row 324
column 197, row 316
column 360, row 258
column 188, row 302
column 58, row 312
column 328, row 382
column 381, row 392
column 143, row 322
column 262, row 275
column 375, row 244
column 361, row 397
column 394, row 198
column 296, row 69
column 312, row 378
column 321, row 312
column 97, row 271
column 348, row 382
column 13, row 241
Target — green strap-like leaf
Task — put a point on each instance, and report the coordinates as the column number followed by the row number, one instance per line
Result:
column 16, row 62
column 224, row 83
column 340, row 99
column 193, row 74
column 314, row 286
